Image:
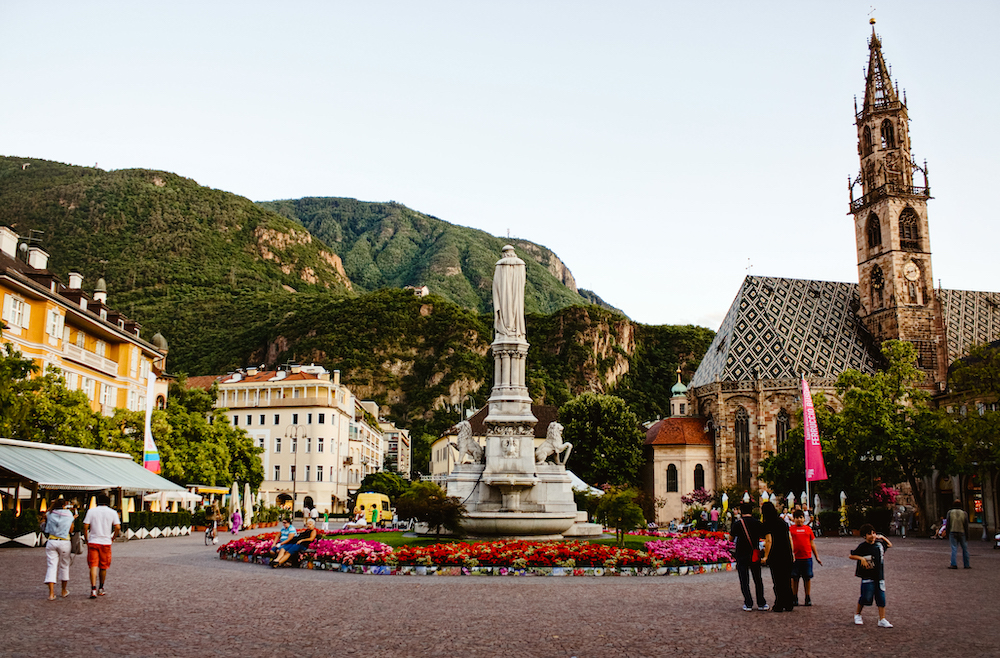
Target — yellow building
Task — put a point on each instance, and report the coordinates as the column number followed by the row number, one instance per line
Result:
column 98, row 350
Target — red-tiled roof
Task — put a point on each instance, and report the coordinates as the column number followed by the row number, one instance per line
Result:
column 680, row 431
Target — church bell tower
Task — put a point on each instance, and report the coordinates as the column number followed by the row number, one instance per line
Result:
column 890, row 223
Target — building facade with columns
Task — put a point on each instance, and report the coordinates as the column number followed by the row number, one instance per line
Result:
column 318, row 441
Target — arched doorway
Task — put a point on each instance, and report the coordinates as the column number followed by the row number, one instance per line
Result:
column 284, row 501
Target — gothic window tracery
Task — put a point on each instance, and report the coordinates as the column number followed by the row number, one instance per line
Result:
column 877, row 285
column 866, row 141
column 909, row 230
column 781, row 427
column 888, row 135
column 874, row 230
column 742, row 447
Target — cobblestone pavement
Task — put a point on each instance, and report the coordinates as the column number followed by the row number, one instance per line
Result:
column 174, row 597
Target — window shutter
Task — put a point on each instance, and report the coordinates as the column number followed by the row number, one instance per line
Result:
column 26, row 315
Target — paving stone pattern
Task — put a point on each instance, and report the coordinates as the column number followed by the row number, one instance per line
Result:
column 174, row 597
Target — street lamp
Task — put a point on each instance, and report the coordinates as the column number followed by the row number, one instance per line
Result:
column 292, row 432
column 472, row 407
column 871, row 459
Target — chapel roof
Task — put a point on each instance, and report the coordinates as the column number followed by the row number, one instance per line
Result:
column 679, row 431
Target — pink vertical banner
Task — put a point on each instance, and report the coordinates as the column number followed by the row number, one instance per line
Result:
column 815, row 468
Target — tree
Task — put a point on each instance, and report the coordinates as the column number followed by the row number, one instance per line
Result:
column 606, row 437
column 618, row 509
column 885, row 413
column 384, row 482
column 428, row 503
column 15, row 375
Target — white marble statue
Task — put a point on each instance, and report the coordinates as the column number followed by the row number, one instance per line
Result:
column 467, row 445
column 553, row 446
column 508, row 295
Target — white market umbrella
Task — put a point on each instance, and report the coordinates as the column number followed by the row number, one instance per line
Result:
column 804, row 499
column 234, row 498
column 816, row 504
column 746, row 496
column 725, row 502
column 247, row 504
column 791, row 500
column 774, row 499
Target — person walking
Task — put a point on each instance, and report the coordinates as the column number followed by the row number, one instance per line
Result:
column 958, row 533
column 58, row 526
column 778, row 557
column 100, row 528
column 714, row 516
column 870, row 555
column 746, row 532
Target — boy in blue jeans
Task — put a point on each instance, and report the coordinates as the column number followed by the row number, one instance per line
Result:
column 870, row 555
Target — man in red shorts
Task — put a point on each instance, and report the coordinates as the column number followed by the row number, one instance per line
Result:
column 100, row 527
column 803, row 550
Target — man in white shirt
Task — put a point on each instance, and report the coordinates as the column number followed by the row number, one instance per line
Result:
column 100, row 527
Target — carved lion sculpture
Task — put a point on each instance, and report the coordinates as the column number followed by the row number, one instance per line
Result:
column 467, row 445
column 553, row 446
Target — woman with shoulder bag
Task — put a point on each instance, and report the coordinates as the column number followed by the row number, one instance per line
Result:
column 58, row 526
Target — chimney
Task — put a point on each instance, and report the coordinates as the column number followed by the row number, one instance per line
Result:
column 101, row 291
column 75, row 280
column 336, row 378
column 38, row 258
column 296, row 369
column 8, row 241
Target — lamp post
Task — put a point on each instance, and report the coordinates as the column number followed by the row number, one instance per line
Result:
column 292, row 432
column 871, row 459
column 472, row 407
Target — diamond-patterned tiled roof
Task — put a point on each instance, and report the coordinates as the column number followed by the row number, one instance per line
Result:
column 783, row 327
column 971, row 318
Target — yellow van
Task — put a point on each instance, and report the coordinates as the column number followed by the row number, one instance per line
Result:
column 373, row 504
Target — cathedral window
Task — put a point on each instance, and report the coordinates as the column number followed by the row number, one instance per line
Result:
column 909, row 230
column 671, row 478
column 699, row 476
column 874, row 230
column 866, row 141
column 781, row 427
column 888, row 135
column 742, row 448
column 878, row 285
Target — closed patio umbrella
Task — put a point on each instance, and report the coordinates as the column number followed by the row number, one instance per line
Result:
column 247, row 504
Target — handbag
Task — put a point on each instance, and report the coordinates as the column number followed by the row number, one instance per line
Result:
column 76, row 543
column 755, row 553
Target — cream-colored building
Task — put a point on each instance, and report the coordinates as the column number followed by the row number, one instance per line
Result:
column 397, row 449
column 97, row 349
column 318, row 440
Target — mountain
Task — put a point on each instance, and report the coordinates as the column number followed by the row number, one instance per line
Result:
column 232, row 283
column 387, row 245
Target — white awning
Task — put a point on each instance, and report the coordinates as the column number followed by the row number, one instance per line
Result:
column 79, row 469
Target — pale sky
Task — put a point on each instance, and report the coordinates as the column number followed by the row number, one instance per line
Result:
column 656, row 147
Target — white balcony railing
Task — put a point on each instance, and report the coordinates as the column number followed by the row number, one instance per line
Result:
column 87, row 358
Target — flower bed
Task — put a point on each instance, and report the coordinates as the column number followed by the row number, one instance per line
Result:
column 514, row 557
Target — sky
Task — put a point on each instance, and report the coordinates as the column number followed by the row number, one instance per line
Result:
column 663, row 150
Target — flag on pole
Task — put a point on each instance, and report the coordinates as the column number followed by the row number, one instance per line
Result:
column 150, row 455
column 815, row 468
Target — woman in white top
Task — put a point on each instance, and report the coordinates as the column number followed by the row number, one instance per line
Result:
column 58, row 526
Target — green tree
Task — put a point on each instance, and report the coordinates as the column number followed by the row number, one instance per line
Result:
column 385, row 482
column 606, row 437
column 428, row 503
column 618, row 509
column 15, row 379
column 885, row 413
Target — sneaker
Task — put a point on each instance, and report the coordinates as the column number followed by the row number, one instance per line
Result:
column 884, row 623
column 796, row 602
column 808, row 601
column 764, row 607
column 101, row 592
column 953, row 567
column 858, row 620
column 93, row 593
column 747, row 608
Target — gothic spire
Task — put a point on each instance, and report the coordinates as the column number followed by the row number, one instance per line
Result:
column 879, row 91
